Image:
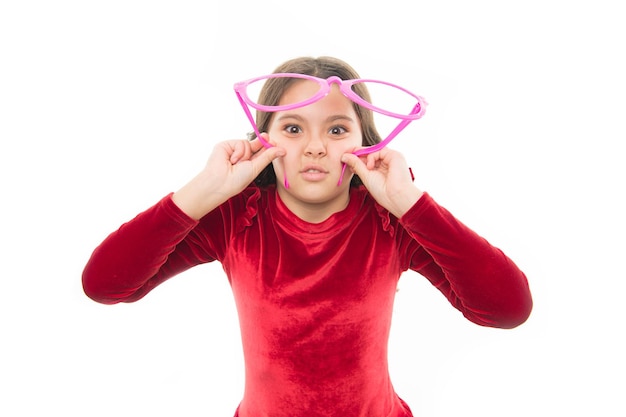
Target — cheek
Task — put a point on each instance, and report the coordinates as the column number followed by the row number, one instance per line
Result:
column 348, row 145
column 278, row 164
column 286, row 162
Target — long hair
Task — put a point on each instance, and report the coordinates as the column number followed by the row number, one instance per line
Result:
column 322, row 67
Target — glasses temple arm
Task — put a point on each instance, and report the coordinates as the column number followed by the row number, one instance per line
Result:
column 364, row 151
column 403, row 123
column 256, row 129
column 378, row 146
column 252, row 122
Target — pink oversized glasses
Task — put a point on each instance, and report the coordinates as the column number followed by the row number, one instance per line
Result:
column 401, row 103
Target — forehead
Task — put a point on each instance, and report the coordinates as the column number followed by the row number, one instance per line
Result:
column 298, row 91
column 302, row 90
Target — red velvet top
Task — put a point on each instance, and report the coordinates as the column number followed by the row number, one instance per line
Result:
column 314, row 300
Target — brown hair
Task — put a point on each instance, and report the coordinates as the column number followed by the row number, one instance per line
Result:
column 322, row 67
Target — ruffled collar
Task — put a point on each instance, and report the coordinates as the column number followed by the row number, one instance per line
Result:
column 360, row 202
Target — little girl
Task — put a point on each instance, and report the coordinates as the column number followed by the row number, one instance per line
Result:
column 313, row 252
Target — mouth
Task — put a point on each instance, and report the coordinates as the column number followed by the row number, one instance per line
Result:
column 314, row 170
column 314, row 173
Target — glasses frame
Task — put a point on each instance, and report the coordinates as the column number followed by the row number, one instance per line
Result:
column 345, row 87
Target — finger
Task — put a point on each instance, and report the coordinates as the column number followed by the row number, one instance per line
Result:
column 238, row 151
column 355, row 164
column 264, row 139
column 256, row 145
column 265, row 156
column 372, row 159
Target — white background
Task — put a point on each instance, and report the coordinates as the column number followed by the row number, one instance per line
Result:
column 107, row 106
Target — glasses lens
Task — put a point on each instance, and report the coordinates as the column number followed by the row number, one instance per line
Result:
column 387, row 98
column 307, row 89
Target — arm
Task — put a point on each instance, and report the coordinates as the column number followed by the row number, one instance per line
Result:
column 159, row 243
column 386, row 176
column 141, row 254
column 477, row 278
column 232, row 166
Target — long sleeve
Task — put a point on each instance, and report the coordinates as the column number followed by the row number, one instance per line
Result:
column 314, row 300
column 476, row 277
column 141, row 254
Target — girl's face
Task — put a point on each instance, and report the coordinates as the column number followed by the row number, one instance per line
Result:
column 314, row 137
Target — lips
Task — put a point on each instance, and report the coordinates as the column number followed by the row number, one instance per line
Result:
column 313, row 173
column 313, row 169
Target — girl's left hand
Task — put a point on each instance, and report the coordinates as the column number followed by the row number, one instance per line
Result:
column 387, row 177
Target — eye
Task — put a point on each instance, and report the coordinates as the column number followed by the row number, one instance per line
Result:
column 338, row 131
column 292, row 130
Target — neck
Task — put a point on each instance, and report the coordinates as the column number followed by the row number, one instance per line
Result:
column 314, row 212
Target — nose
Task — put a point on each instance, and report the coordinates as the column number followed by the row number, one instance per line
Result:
column 315, row 146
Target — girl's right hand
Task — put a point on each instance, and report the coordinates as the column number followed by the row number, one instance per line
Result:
column 232, row 166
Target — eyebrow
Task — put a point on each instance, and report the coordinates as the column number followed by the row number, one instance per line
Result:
column 329, row 119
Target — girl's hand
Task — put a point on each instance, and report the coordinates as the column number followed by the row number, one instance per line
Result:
column 387, row 177
column 232, row 166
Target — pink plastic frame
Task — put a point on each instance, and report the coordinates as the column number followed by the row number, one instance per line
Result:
column 325, row 86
